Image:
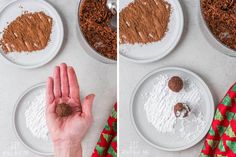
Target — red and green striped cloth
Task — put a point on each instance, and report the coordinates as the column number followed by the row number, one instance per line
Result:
column 107, row 143
column 221, row 138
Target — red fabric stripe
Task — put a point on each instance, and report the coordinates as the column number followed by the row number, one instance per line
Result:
column 223, row 110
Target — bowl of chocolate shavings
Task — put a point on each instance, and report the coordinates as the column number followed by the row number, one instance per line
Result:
column 97, row 38
column 218, row 23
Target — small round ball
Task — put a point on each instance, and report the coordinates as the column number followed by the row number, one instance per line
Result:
column 176, row 84
column 63, row 110
column 181, row 110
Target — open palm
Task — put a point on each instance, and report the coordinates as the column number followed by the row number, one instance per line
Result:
column 63, row 87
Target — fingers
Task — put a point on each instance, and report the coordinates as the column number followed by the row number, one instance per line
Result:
column 64, row 80
column 49, row 91
column 51, row 105
column 73, row 84
column 87, row 105
column 57, row 82
column 65, row 83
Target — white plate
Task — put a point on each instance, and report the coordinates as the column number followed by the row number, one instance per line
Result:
column 155, row 51
column 168, row 141
column 36, row 145
column 35, row 59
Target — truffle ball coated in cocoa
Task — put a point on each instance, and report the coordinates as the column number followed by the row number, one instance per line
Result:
column 63, row 110
column 176, row 84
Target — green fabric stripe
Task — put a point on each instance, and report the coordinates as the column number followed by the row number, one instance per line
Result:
column 234, row 88
column 111, row 151
column 218, row 115
column 229, row 115
column 231, row 145
column 229, row 132
column 107, row 137
column 221, row 130
column 107, row 127
column 114, row 113
column 212, row 132
column 227, row 101
column 221, row 146
column 212, row 144
column 100, row 150
column 114, row 139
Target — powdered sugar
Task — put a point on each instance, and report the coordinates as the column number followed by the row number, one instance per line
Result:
column 191, row 126
column 35, row 116
column 159, row 107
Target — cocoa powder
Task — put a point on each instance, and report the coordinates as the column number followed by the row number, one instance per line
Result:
column 144, row 21
column 28, row 32
column 63, row 110
column 220, row 16
column 94, row 19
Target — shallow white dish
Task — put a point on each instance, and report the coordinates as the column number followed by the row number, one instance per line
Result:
column 168, row 141
column 155, row 51
column 36, row 145
column 39, row 58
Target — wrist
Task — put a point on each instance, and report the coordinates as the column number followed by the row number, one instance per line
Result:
column 67, row 148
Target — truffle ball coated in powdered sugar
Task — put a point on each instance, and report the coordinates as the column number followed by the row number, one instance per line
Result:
column 181, row 110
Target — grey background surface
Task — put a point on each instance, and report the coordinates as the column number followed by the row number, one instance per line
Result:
column 194, row 53
column 94, row 77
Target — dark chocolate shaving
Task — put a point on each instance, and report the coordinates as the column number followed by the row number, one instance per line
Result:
column 220, row 16
column 94, row 19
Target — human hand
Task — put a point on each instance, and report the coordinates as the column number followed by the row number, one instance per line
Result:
column 63, row 88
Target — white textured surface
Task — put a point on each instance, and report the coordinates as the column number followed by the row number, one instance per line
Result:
column 160, row 102
column 194, row 53
column 35, row 116
column 93, row 76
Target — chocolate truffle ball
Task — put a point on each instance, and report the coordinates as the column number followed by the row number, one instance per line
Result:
column 176, row 84
column 63, row 110
column 181, row 110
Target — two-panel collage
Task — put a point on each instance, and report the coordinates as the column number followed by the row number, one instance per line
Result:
column 118, row 78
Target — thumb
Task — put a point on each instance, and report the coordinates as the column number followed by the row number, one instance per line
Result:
column 87, row 105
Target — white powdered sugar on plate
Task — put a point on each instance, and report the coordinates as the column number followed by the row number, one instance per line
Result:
column 35, row 116
column 159, row 108
column 191, row 126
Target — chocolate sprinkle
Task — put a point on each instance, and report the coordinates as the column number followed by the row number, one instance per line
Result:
column 94, row 19
column 220, row 16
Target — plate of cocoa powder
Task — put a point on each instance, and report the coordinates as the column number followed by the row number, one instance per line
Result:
column 31, row 33
column 149, row 29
